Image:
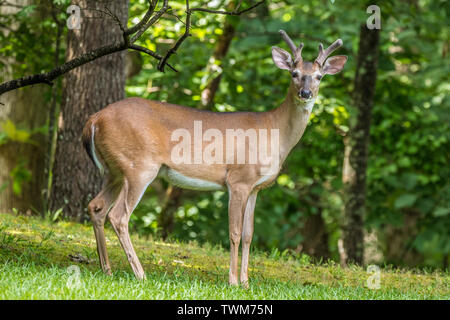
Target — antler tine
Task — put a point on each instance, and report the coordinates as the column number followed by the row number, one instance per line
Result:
column 297, row 52
column 288, row 40
column 323, row 54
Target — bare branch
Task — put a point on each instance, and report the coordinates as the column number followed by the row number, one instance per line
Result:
column 177, row 44
column 238, row 5
column 48, row 77
column 144, row 20
column 116, row 19
column 186, row 33
column 230, row 13
column 109, row 14
column 148, row 20
column 152, row 21
column 176, row 16
column 151, row 53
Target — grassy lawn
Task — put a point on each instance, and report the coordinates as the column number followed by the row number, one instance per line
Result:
column 36, row 255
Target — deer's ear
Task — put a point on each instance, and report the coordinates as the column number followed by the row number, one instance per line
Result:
column 334, row 64
column 282, row 58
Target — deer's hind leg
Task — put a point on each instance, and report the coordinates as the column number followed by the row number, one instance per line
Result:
column 98, row 209
column 133, row 185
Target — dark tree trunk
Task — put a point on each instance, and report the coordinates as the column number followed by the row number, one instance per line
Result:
column 356, row 146
column 166, row 219
column 86, row 90
column 315, row 234
column 18, row 158
column 313, row 229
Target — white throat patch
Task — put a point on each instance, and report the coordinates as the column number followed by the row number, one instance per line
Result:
column 308, row 106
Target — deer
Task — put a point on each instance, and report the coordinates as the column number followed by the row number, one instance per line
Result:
column 132, row 143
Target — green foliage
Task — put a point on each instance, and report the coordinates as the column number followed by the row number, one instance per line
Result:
column 20, row 174
column 27, row 35
column 408, row 173
column 27, row 42
column 10, row 133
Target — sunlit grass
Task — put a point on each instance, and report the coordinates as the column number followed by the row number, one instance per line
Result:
column 34, row 262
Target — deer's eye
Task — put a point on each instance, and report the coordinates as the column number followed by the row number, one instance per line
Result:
column 318, row 77
column 295, row 74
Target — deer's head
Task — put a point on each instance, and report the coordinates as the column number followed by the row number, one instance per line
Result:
column 306, row 75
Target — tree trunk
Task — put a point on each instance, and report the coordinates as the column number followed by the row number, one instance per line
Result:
column 314, row 231
column 26, row 109
column 86, row 90
column 313, row 228
column 356, row 146
column 25, row 159
column 166, row 219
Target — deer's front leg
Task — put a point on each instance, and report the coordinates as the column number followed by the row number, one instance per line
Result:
column 238, row 195
column 247, row 235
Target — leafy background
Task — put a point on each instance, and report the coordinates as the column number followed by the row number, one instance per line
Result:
column 408, row 174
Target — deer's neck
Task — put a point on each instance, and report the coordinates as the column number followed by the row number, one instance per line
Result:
column 291, row 118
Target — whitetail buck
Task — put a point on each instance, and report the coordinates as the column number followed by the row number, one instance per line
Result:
column 135, row 139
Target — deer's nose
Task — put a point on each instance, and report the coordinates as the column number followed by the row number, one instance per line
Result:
column 305, row 94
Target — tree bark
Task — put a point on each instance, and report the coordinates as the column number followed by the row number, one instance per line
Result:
column 28, row 156
column 356, row 146
column 86, row 90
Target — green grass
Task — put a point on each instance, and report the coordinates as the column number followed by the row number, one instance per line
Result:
column 34, row 262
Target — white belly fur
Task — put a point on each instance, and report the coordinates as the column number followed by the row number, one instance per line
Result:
column 264, row 179
column 186, row 182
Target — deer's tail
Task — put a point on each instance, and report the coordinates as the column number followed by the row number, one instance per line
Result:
column 89, row 143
